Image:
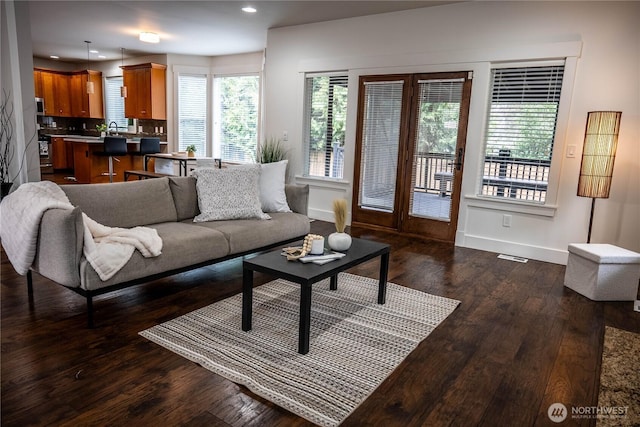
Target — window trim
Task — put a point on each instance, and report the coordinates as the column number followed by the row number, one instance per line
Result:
column 305, row 128
column 260, row 103
column 207, row 124
column 106, row 84
column 211, row 73
column 549, row 206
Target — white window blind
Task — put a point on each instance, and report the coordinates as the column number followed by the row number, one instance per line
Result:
column 114, row 102
column 235, row 117
column 520, row 132
column 192, row 112
column 380, row 142
column 325, row 120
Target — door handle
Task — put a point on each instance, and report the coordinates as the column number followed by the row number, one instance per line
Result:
column 458, row 163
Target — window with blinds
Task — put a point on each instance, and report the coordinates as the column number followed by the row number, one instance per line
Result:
column 192, row 112
column 520, row 131
column 325, row 120
column 235, row 117
column 380, row 141
column 114, row 103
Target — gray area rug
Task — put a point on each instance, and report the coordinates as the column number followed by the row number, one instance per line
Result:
column 354, row 345
column 620, row 378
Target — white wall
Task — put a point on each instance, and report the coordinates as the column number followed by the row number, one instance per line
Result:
column 16, row 86
column 603, row 38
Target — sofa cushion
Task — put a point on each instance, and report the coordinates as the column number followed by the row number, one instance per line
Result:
column 231, row 193
column 125, row 204
column 272, row 195
column 185, row 196
column 249, row 234
column 183, row 245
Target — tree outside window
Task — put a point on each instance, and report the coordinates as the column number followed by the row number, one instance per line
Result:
column 325, row 120
column 236, row 101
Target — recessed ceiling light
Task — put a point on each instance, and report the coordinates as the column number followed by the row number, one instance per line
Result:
column 249, row 9
column 101, row 56
column 93, row 51
column 149, row 37
column 54, row 57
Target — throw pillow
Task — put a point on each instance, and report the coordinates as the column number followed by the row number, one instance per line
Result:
column 272, row 195
column 231, row 193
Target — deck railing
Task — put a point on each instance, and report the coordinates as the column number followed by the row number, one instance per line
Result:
column 503, row 175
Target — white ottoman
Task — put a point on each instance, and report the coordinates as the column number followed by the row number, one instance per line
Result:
column 603, row 272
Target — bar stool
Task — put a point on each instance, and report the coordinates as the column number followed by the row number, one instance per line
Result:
column 148, row 145
column 113, row 146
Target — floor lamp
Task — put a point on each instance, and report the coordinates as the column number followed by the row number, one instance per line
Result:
column 598, row 156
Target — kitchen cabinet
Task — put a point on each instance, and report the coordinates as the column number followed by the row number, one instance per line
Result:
column 146, row 91
column 48, row 93
column 61, row 153
column 83, row 104
column 37, row 83
column 65, row 94
column 62, row 85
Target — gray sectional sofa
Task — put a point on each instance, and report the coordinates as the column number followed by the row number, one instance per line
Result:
column 167, row 205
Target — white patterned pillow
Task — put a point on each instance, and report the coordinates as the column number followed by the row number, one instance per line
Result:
column 231, row 193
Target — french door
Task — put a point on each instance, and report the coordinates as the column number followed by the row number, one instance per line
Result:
column 410, row 146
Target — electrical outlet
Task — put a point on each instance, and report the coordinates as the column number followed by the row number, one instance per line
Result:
column 506, row 220
column 285, row 135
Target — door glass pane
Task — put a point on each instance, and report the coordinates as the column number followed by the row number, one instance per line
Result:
column 438, row 113
column 380, row 141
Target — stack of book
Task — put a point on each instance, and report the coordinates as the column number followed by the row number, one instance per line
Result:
column 327, row 256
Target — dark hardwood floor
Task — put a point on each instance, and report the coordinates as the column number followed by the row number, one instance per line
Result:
column 519, row 342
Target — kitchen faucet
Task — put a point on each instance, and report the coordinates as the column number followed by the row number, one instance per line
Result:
column 116, row 125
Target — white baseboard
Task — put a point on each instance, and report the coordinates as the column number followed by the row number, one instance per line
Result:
column 325, row 215
column 552, row 255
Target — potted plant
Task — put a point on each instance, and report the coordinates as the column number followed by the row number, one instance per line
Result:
column 191, row 150
column 102, row 128
column 271, row 151
column 339, row 241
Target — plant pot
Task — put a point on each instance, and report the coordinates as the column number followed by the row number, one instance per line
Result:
column 191, row 153
column 339, row 242
column 5, row 188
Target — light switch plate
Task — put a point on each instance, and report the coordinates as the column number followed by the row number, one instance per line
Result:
column 571, row 151
column 636, row 305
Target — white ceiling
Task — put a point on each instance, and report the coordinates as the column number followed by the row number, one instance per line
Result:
column 206, row 28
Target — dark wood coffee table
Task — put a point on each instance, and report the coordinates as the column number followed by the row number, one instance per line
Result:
column 306, row 275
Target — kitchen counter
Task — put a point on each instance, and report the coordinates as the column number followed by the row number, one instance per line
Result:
column 88, row 167
column 98, row 140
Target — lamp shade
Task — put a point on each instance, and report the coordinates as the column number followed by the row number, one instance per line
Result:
column 599, row 153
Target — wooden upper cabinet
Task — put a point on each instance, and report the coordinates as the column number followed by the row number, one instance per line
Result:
column 65, row 93
column 48, row 93
column 84, row 104
column 37, row 83
column 62, row 88
column 146, row 91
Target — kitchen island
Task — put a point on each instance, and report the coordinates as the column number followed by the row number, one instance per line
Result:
column 90, row 168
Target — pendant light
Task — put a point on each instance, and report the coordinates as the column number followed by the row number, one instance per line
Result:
column 123, row 88
column 90, row 88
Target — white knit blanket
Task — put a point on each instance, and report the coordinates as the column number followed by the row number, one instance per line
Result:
column 107, row 249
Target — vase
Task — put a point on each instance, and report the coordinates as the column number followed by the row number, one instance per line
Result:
column 339, row 241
